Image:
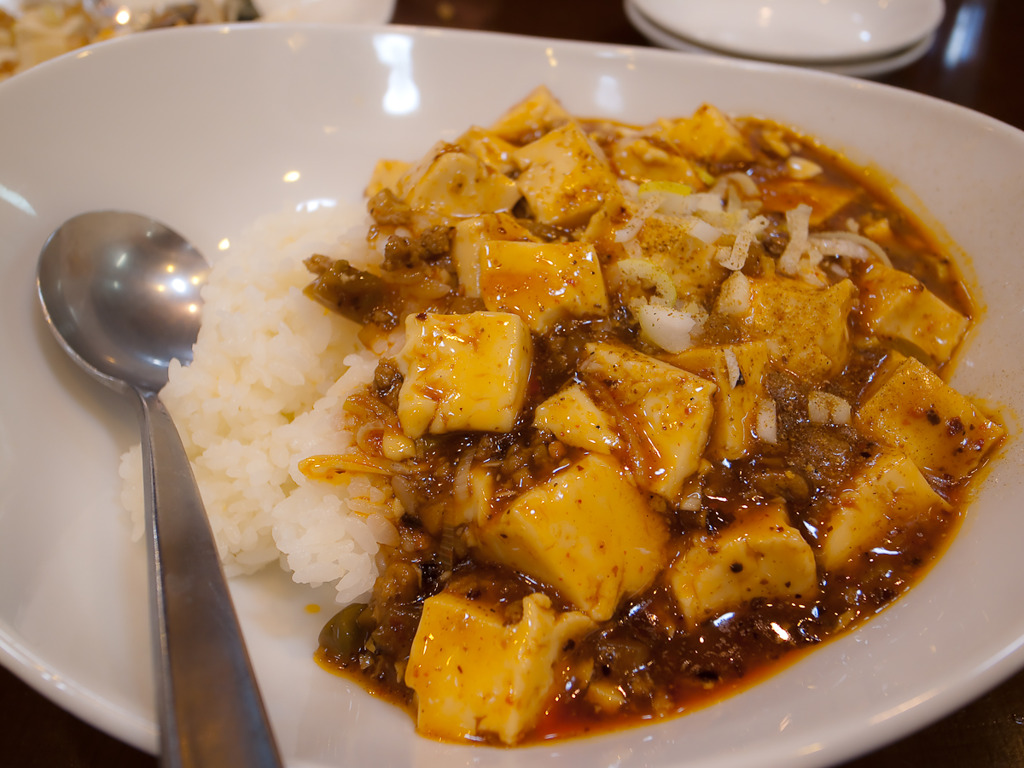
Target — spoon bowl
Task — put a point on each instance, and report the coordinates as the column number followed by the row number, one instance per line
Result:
column 121, row 293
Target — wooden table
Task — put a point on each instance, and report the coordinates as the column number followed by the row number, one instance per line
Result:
column 977, row 62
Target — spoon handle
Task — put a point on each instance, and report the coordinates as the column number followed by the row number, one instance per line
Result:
column 209, row 706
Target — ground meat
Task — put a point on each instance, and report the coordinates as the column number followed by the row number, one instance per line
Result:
column 386, row 209
column 353, row 293
column 403, row 253
column 387, row 382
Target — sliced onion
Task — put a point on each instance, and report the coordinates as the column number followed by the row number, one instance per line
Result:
column 841, row 243
column 698, row 202
column 745, row 184
column 767, row 421
column 727, row 221
column 723, row 254
column 734, row 297
column 834, row 246
column 733, row 201
column 702, row 230
column 673, row 197
column 643, row 271
column 801, row 168
column 798, row 222
column 732, row 367
column 741, row 248
column 636, row 223
column 630, row 189
column 665, row 327
column 332, row 467
column 368, row 434
column 462, row 482
column 661, row 188
column 405, row 492
column 826, row 408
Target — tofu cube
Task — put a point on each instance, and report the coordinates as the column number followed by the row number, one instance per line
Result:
column 885, row 493
column 739, row 372
column 489, row 147
column 387, row 174
column 759, row 555
column 534, row 116
column 913, row 410
column 669, row 410
column 640, row 159
column 586, row 532
column 542, row 282
column 604, row 225
column 448, row 182
column 805, row 326
column 470, row 237
column 576, row 420
column 476, row 676
column 708, row 136
column 563, row 178
column 463, row 372
column 896, row 306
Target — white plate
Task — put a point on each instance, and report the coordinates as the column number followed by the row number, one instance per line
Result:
column 204, row 127
column 799, row 30
column 862, row 68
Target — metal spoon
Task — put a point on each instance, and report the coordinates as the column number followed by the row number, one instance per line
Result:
column 121, row 294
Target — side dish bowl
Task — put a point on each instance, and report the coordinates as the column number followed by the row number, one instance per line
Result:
column 211, row 128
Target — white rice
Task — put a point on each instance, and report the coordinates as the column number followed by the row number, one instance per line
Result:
column 271, row 371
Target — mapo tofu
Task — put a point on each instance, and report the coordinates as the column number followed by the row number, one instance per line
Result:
column 662, row 404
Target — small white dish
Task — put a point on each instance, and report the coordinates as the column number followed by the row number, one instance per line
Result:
column 799, row 30
column 860, row 68
column 320, row 104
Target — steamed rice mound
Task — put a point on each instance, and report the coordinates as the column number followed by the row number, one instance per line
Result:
column 271, row 371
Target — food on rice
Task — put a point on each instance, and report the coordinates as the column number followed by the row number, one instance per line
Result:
column 638, row 411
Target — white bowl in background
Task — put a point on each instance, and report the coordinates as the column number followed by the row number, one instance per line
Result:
column 799, row 30
column 870, row 67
